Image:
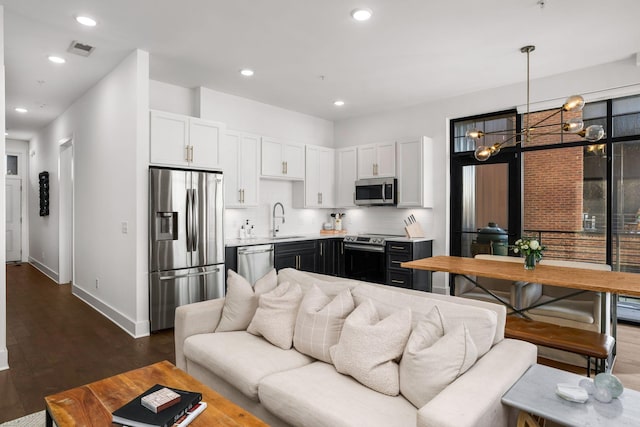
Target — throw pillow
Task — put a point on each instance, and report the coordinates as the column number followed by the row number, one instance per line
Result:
column 369, row 347
column 427, row 370
column 241, row 300
column 276, row 315
column 319, row 322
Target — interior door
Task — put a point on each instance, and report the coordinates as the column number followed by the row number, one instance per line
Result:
column 13, row 218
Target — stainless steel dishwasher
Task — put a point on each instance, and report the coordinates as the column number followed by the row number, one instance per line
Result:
column 254, row 261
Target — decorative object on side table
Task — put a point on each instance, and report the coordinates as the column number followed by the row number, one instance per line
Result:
column 530, row 249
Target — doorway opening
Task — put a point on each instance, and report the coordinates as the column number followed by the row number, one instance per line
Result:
column 65, row 174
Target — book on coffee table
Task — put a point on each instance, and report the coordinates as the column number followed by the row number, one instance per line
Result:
column 134, row 414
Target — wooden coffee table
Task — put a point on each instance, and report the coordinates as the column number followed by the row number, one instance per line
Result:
column 92, row 404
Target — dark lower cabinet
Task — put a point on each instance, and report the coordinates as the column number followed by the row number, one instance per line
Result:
column 331, row 257
column 299, row 255
column 399, row 252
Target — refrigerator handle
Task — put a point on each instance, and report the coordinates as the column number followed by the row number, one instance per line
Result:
column 195, row 221
column 189, row 220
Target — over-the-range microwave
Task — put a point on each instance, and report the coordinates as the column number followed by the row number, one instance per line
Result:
column 376, row 192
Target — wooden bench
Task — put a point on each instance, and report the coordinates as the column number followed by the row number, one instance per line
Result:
column 586, row 343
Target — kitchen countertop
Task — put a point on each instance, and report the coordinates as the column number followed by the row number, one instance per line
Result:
column 265, row 240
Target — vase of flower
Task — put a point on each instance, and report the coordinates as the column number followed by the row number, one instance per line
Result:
column 530, row 249
column 529, row 262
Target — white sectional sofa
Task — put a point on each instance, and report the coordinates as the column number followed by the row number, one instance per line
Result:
column 284, row 386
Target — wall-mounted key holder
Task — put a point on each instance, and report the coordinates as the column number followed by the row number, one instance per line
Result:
column 43, row 179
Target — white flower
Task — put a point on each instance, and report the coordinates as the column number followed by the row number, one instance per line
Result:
column 516, row 250
column 534, row 244
column 518, row 242
column 525, row 247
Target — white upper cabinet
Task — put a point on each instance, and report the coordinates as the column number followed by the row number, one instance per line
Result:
column 239, row 160
column 317, row 190
column 204, row 141
column 282, row 160
column 415, row 173
column 179, row 140
column 169, row 135
column 346, row 164
column 377, row 160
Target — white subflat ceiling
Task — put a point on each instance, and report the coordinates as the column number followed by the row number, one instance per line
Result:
column 308, row 53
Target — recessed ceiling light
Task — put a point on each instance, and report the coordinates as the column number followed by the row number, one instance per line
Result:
column 361, row 14
column 57, row 59
column 86, row 21
column 338, row 103
column 246, row 72
column 21, row 110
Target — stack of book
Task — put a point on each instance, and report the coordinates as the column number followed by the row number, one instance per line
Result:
column 160, row 406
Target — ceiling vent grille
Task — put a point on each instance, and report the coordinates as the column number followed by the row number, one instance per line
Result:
column 81, row 49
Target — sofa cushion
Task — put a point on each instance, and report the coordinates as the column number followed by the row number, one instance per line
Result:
column 330, row 285
column 241, row 359
column 241, row 300
column 368, row 347
column 482, row 323
column 428, row 367
column 319, row 322
column 276, row 315
column 316, row 395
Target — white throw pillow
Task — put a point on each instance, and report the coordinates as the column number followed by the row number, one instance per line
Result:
column 241, row 300
column 275, row 317
column 369, row 347
column 319, row 322
column 427, row 369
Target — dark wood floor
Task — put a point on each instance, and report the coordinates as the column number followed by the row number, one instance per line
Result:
column 57, row 342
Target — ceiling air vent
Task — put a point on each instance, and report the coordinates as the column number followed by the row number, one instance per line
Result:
column 80, row 48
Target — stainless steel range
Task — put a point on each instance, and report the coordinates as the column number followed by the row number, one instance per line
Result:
column 365, row 257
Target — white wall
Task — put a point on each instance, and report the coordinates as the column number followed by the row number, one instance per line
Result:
column 432, row 119
column 109, row 128
column 4, row 354
column 263, row 119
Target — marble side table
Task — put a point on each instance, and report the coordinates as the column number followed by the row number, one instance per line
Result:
column 535, row 393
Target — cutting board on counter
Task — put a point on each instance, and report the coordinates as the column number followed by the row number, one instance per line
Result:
column 336, row 232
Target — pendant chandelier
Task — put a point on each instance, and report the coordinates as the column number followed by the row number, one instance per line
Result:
column 574, row 103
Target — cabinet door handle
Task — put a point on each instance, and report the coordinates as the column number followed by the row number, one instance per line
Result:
column 191, row 153
column 341, row 248
column 321, row 245
column 400, row 282
column 186, row 153
column 284, row 171
column 396, row 262
column 240, row 196
column 397, row 247
column 286, row 168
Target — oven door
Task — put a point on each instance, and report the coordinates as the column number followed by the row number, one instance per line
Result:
column 365, row 262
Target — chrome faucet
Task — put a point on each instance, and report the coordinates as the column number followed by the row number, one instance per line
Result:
column 275, row 230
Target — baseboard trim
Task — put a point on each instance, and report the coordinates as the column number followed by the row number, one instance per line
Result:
column 4, row 359
column 44, row 269
column 135, row 329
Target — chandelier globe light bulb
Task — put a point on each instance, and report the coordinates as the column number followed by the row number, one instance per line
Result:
column 574, row 103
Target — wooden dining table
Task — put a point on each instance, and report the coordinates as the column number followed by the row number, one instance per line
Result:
column 613, row 282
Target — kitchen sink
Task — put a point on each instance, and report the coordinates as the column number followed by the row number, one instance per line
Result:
column 286, row 237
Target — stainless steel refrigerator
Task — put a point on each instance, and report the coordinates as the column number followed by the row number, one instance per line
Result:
column 186, row 244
